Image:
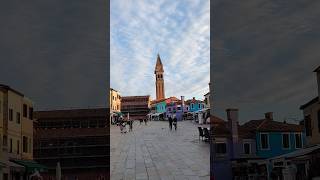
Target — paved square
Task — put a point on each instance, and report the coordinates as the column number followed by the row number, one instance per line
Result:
column 154, row 152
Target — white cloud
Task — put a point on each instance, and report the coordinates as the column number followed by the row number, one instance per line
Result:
column 178, row 30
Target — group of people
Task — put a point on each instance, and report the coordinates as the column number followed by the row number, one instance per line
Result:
column 145, row 121
column 122, row 123
column 173, row 121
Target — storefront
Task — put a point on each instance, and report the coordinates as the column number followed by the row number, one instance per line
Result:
column 30, row 167
column 300, row 164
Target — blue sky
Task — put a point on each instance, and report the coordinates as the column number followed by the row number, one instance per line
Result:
column 178, row 30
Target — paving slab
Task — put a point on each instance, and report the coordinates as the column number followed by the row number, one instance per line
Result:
column 152, row 151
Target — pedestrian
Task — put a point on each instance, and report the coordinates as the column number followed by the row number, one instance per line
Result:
column 145, row 121
column 124, row 124
column 120, row 125
column 175, row 122
column 170, row 122
column 141, row 121
column 130, row 124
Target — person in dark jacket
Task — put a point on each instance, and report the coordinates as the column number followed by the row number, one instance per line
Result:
column 170, row 122
column 130, row 124
column 175, row 122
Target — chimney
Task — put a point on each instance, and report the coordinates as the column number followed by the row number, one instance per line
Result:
column 268, row 115
column 182, row 103
column 232, row 115
column 194, row 98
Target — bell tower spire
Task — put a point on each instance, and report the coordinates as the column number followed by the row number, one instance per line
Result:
column 158, row 71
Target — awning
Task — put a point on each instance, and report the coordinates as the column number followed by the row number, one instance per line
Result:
column 297, row 153
column 15, row 167
column 30, row 165
column 119, row 113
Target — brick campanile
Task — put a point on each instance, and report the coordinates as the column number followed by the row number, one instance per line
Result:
column 159, row 79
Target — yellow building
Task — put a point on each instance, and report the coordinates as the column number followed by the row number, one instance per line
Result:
column 16, row 131
column 115, row 101
column 311, row 112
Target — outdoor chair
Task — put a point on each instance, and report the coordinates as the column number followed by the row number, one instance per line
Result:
column 206, row 134
column 200, row 133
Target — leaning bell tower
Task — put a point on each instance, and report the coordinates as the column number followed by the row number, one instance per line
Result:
column 159, row 79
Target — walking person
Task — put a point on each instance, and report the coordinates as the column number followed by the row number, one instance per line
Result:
column 130, row 124
column 145, row 121
column 170, row 122
column 141, row 121
column 120, row 124
column 175, row 122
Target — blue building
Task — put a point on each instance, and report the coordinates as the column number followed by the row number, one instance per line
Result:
column 194, row 105
column 238, row 148
column 274, row 138
column 161, row 107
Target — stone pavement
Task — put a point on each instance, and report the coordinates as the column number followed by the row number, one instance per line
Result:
column 154, row 152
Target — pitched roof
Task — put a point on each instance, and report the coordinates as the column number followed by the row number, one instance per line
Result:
column 8, row 88
column 216, row 120
column 189, row 101
column 271, row 125
column 317, row 69
column 220, row 130
column 219, row 127
column 314, row 100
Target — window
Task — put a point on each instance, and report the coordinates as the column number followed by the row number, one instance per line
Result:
column 191, row 106
column 319, row 120
column 25, row 144
column 18, row 117
column 285, row 140
column 18, row 146
column 264, row 140
column 221, row 148
column 199, row 106
column 31, row 113
column 298, row 140
column 307, row 124
column 247, row 148
column 10, row 150
column 10, row 114
column 5, row 140
column 25, row 110
column 30, row 145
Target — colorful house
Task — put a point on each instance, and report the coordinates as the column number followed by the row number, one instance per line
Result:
column 176, row 108
column 274, row 138
column 231, row 143
column 161, row 105
column 194, row 105
column 238, row 148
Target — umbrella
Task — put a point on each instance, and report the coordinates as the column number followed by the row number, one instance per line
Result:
column 58, row 171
